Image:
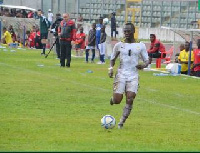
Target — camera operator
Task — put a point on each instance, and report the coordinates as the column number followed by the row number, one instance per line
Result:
column 54, row 30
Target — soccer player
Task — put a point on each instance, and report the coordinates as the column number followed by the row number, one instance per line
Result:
column 127, row 78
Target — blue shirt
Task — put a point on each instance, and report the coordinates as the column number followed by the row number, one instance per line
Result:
column 98, row 30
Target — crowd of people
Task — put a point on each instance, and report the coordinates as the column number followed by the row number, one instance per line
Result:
column 18, row 13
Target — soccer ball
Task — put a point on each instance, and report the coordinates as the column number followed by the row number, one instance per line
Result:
column 108, row 122
column 105, row 21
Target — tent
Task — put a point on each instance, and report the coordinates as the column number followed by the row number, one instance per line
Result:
column 18, row 7
column 186, row 33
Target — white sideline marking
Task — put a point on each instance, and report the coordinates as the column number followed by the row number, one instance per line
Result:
column 103, row 89
column 170, row 106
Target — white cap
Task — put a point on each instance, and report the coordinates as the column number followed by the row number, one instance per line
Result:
column 49, row 10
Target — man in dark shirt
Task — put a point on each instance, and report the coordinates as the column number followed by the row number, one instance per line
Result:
column 67, row 33
column 44, row 26
column 91, row 43
column 113, row 24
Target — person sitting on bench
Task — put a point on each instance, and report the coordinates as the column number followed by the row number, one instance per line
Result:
column 156, row 48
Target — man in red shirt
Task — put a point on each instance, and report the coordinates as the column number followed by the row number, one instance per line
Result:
column 156, row 48
column 80, row 42
column 67, row 33
column 197, row 60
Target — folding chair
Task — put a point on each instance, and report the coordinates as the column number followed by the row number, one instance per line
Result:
column 167, row 59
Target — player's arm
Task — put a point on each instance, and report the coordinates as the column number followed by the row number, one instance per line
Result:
column 113, row 58
column 145, row 58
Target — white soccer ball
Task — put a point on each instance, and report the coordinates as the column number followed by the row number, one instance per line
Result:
column 108, row 122
column 105, row 21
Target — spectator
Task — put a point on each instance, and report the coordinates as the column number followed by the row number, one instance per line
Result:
column 113, row 25
column 50, row 16
column 67, row 33
column 181, row 47
column 13, row 12
column 7, row 13
column 7, row 38
column 156, row 48
column 31, row 39
column 98, row 32
column 80, row 42
column 44, row 26
column 19, row 14
column 196, row 65
column 38, row 44
column 24, row 13
column 102, row 45
column 91, row 43
column 35, row 15
column 30, row 14
column 12, row 32
column 184, row 58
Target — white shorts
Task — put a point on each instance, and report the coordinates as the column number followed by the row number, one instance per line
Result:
column 90, row 47
column 102, row 48
column 122, row 86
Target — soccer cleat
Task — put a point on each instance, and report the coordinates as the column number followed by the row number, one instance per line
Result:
column 111, row 101
column 120, row 126
column 99, row 62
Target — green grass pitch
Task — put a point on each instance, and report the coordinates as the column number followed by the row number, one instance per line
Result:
column 47, row 108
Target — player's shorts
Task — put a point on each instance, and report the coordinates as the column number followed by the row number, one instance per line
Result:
column 122, row 86
column 90, row 47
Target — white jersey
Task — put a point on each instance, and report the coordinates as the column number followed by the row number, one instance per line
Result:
column 50, row 17
column 129, row 54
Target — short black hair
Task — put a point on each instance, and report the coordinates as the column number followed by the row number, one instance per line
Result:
column 4, row 28
column 153, row 35
column 58, row 14
column 40, row 10
column 131, row 24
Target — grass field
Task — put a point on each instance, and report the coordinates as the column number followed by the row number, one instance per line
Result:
column 47, row 108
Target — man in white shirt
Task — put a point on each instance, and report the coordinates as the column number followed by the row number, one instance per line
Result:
column 127, row 78
column 50, row 16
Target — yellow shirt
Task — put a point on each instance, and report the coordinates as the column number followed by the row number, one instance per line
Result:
column 184, row 57
column 8, row 37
